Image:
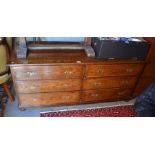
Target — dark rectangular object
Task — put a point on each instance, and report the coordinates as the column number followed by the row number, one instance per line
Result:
column 109, row 49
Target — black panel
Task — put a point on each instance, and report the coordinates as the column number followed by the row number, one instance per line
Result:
column 119, row 49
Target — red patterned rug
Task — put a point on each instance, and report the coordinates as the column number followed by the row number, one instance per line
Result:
column 117, row 111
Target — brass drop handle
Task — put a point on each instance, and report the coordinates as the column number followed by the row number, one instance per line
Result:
column 125, row 82
column 94, row 95
column 68, row 72
column 129, row 70
column 97, row 83
column 100, row 70
column 34, row 99
column 66, row 97
column 31, row 73
column 67, row 85
column 31, row 87
column 121, row 93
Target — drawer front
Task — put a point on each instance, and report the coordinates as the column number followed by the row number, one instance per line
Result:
column 46, row 72
column 49, row 98
column 113, row 70
column 149, row 70
column 106, row 94
column 47, row 85
column 109, row 82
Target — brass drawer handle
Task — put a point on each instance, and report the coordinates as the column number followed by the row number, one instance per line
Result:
column 97, row 83
column 68, row 72
column 129, row 70
column 67, row 85
column 30, row 73
column 125, row 82
column 66, row 97
column 94, row 95
column 34, row 99
column 100, row 70
column 121, row 93
column 31, row 87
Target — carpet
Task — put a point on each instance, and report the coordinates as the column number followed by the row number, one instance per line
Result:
column 117, row 111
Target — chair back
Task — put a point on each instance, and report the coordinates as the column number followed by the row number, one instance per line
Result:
column 4, row 56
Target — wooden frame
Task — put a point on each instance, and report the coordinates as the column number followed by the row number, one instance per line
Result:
column 86, row 45
column 7, row 71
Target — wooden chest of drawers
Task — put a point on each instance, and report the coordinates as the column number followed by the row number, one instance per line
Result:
column 67, row 84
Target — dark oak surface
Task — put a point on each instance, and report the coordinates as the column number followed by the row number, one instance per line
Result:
column 59, row 57
column 149, row 70
column 143, row 83
column 148, row 74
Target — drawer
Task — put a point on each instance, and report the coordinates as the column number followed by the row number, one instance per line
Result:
column 106, row 95
column 109, row 82
column 48, row 85
column 46, row 72
column 113, row 70
column 57, row 98
column 149, row 70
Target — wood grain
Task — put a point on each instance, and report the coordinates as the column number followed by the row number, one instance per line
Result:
column 143, row 83
column 109, row 82
column 113, row 70
column 66, row 77
column 46, row 72
column 48, row 85
column 148, row 74
column 106, row 94
column 149, row 70
column 57, row 98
